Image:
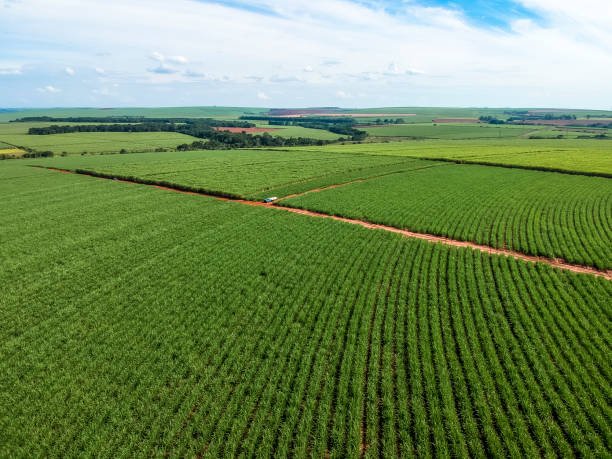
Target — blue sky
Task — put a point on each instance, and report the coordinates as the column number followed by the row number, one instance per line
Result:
column 352, row 53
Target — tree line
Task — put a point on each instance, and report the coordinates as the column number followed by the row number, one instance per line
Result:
column 188, row 126
column 225, row 140
column 338, row 125
column 129, row 119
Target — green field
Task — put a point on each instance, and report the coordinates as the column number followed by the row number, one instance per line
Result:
column 299, row 131
column 449, row 131
column 152, row 112
column 537, row 213
column 568, row 133
column 244, row 173
column 572, row 155
column 428, row 114
column 136, row 321
column 98, row 142
column 113, row 142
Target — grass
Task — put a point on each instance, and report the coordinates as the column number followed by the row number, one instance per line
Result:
column 98, row 142
column 571, row 155
column 537, row 213
column 161, row 112
column 136, row 321
column 299, row 131
column 448, row 131
column 244, row 173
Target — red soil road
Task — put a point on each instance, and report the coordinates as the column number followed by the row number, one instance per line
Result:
column 250, row 130
column 554, row 262
column 329, row 187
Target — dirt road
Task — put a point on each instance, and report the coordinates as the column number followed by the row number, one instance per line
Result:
column 555, row 262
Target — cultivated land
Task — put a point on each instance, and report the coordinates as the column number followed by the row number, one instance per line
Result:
column 537, row 213
column 448, row 131
column 98, row 142
column 299, row 131
column 239, row 173
column 583, row 156
column 199, row 335
column 153, row 112
column 140, row 320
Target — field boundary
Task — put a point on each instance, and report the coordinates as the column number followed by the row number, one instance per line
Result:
column 515, row 166
column 554, row 262
column 365, row 179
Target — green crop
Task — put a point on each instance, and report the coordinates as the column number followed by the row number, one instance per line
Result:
column 96, row 142
column 449, row 131
column 299, row 131
column 537, row 213
column 136, row 321
column 583, row 156
column 245, row 173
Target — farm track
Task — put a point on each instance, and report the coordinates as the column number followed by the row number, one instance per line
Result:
column 337, row 185
column 554, row 262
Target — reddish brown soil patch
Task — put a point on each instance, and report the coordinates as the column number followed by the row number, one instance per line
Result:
column 555, row 262
column 456, row 120
column 251, row 130
column 319, row 189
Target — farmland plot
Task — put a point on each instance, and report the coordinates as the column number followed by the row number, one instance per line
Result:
column 243, row 173
column 571, row 155
column 447, row 131
column 536, row 213
column 136, row 321
column 99, row 142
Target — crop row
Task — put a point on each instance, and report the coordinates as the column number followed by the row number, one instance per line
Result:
column 537, row 213
column 138, row 321
column 242, row 173
column 574, row 156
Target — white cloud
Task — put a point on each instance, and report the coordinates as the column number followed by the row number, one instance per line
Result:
column 8, row 3
column 157, row 56
column 330, row 62
column 10, row 71
column 99, row 71
column 393, row 69
column 49, row 89
column 283, row 79
column 422, row 55
column 69, row 71
column 101, row 92
column 162, row 70
column 262, row 96
column 177, row 59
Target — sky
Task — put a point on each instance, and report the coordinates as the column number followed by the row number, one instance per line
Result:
column 301, row 53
